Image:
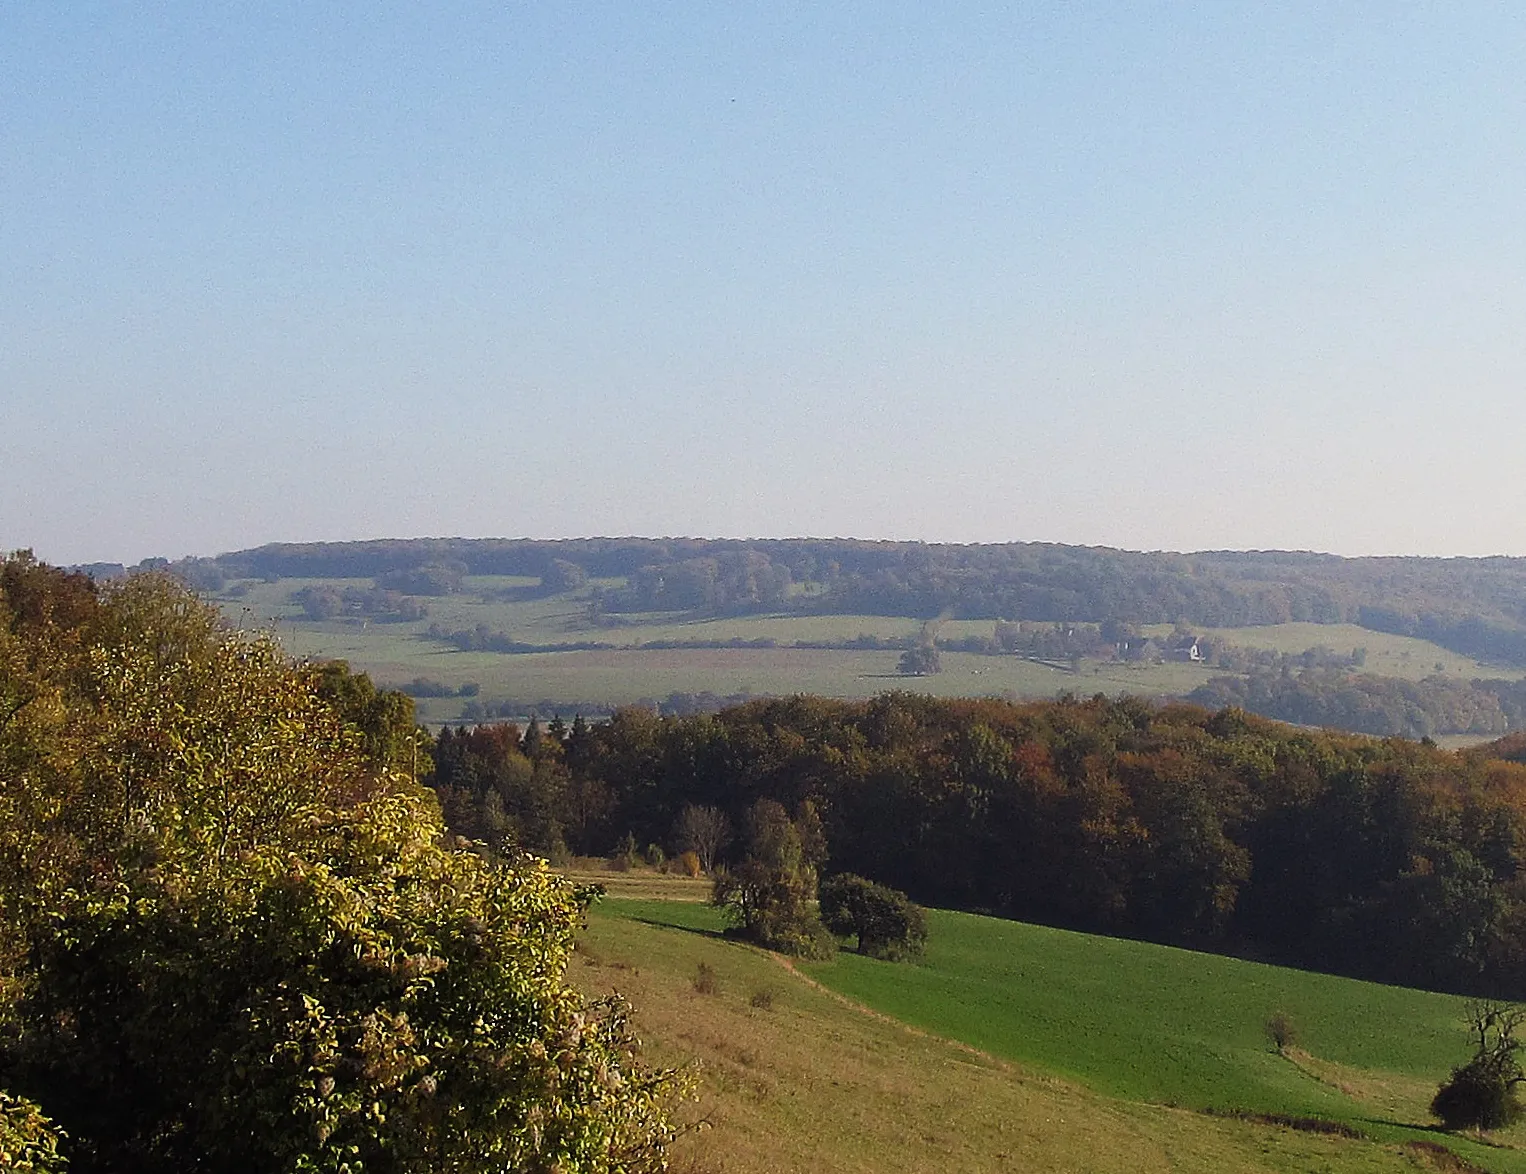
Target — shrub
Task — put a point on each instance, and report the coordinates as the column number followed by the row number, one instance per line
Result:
column 28, row 1141
column 1481, row 1093
column 1478, row 1095
column 625, row 857
column 1281, row 1032
column 887, row 923
column 688, row 862
column 763, row 999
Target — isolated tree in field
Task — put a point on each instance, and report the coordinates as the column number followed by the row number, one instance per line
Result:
column 1281, row 1031
column 770, row 895
column 231, row 937
column 920, row 661
column 888, row 925
column 1481, row 1094
column 705, row 831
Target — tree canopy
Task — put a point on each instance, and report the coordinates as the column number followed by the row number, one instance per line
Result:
column 238, row 937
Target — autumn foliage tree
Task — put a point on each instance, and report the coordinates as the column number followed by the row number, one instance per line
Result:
column 236, row 939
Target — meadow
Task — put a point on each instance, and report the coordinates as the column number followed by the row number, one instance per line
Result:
column 395, row 653
column 1016, row 1047
column 1388, row 655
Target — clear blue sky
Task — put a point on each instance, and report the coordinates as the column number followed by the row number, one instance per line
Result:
column 1146, row 275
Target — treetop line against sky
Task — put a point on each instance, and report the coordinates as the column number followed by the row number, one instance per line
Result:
column 1173, row 276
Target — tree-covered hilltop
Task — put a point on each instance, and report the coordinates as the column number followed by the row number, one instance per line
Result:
column 1391, row 859
column 1367, row 703
column 1473, row 606
column 235, row 935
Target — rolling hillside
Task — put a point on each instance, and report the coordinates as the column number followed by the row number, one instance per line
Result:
column 1020, row 1048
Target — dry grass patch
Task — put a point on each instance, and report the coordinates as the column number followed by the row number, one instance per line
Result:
column 640, row 883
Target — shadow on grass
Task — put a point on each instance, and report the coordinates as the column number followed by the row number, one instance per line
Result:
column 1441, row 1156
column 1438, row 1131
column 718, row 935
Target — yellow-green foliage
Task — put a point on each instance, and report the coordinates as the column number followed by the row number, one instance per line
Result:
column 28, row 1141
column 238, row 941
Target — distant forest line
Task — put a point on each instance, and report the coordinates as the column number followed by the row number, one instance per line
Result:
column 1049, row 602
column 1476, row 607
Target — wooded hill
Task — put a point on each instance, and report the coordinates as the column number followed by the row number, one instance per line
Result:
column 1473, row 606
column 1389, row 859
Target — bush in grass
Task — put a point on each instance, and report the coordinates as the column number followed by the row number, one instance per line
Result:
column 1281, row 1032
column 1477, row 1096
column 625, row 857
column 888, row 925
column 1481, row 1093
column 688, row 863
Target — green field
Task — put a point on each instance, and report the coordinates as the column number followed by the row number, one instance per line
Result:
column 1090, row 1053
column 395, row 653
column 1155, row 1023
column 1387, row 655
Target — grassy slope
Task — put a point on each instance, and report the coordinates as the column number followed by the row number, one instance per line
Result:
column 1387, row 655
column 812, row 1084
column 1153, row 1023
column 1139, row 1026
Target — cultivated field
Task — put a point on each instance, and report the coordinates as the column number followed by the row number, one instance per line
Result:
column 630, row 670
column 1029, row 1050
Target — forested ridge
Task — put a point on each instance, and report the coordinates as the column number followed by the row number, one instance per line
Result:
column 1386, row 859
column 1473, row 606
column 1369, row 703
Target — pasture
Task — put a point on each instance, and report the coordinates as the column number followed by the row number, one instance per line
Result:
column 1018, row 1048
column 1387, row 655
column 1156, row 1023
column 629, row 671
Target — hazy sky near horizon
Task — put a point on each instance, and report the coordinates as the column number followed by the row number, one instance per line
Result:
column 1182, row 276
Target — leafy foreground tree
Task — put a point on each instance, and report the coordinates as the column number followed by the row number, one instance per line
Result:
column 28, row 1141
column 1481, row 1093
column 888, row 925
column 236, row 940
